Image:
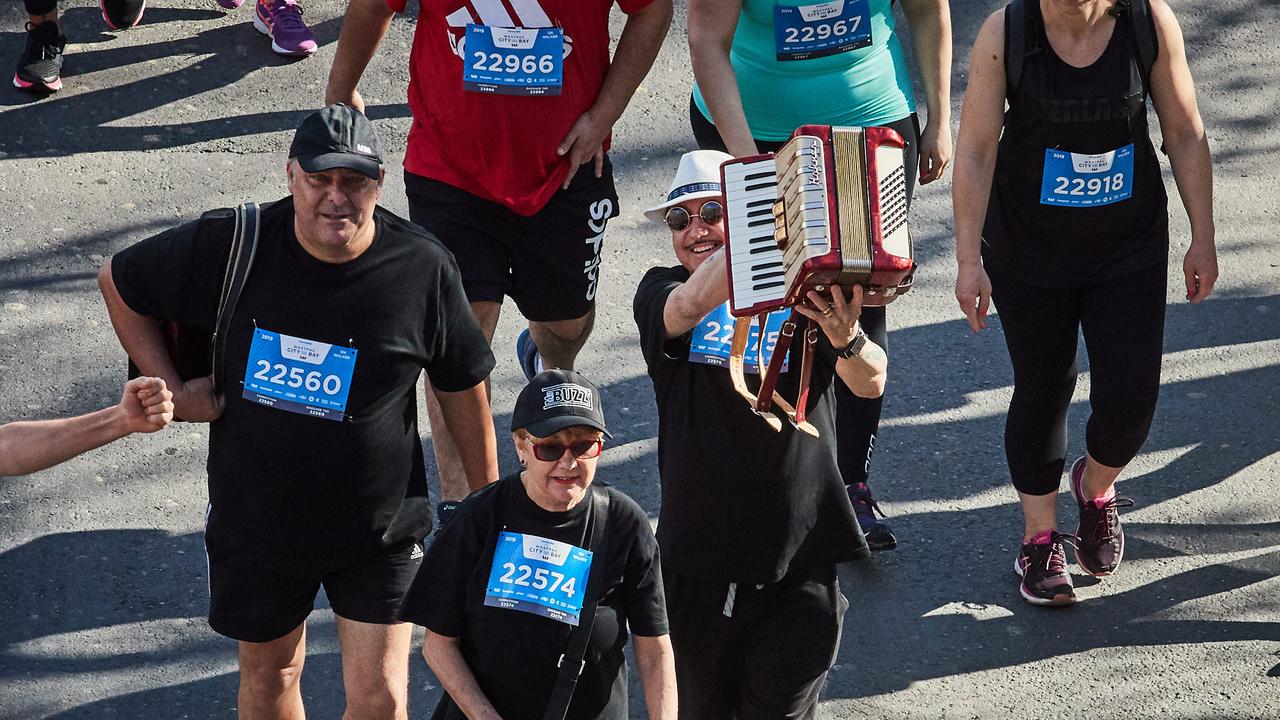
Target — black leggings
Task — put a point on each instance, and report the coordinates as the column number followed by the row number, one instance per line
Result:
column 1123, row 324
column 857, row 419
column 40, row 7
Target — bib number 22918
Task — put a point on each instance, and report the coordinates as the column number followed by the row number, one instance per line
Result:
column 513, row 61
column 1077, row 180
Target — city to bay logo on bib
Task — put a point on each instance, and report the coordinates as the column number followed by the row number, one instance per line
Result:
column 567, row 395
column 303, row 350
column 550, row 551
column 495, row 14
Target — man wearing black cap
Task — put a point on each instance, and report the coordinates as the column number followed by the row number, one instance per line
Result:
column 316, row 473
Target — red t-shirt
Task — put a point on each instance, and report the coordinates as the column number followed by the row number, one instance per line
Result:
column 501, row 147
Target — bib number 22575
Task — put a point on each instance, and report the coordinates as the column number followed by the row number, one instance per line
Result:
column 299, row 375
column 513, row 61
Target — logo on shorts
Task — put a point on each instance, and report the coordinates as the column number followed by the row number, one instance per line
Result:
column 600, row 211
column 416, row 552
column 567, row 395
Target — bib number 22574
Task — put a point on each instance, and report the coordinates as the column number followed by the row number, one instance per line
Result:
column 513, row 61
column 540, row 576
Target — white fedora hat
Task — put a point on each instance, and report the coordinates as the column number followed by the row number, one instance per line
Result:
column 697, row 177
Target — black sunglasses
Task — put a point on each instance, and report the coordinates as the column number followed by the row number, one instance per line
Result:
column 677, row 218
column 551, row 452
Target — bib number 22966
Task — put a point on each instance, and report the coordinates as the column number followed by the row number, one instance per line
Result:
column 513, row 61
column 299, row 375
column 1077, row 180
column 802, row 32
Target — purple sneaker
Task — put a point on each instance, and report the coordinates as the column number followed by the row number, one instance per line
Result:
column 1101, row 545
column 1042, row 564
column 282, row 20
column 230, row 4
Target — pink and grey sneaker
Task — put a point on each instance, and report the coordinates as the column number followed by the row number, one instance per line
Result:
column 1042, row 564
column 230, row 4
column 1101, row 539
column 282, row 20
column 40, row 64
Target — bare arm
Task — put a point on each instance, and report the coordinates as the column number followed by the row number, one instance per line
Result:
column 642, row 36
column 26, row 447
column 656, row 662
column 980, row 123
column 470, row 423
column 446, row 661
column 139, row 335
column 363, row 28
column 705, row 290
column 930, row 22
column 1174, row 94
column 865, row 373
column 711, row 27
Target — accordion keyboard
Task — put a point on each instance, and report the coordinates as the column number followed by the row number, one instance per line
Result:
column 757, row 270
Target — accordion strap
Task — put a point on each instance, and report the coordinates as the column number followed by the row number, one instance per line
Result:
column 769, row 377
column 737, row 353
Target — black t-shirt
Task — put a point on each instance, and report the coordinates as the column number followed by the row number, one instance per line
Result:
column 740, row 502
column 1090, row 110
column 513, row 654
column 299, row 485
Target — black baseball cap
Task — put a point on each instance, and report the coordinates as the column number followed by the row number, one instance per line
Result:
column 556, row 399
column 338, row 136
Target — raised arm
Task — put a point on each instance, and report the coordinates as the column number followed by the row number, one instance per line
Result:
column 363, row 28
column 866, row 371
column 446, row 661
column 1174, row 94
column 470, row 423
column 193, row 400
column 656, row 662
column 26, row 447
column 638, row 46
column 706, row 289
column 930, row 22
column 980, row 123
column 711, row 27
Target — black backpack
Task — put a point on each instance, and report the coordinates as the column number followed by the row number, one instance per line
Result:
column 1017, row 26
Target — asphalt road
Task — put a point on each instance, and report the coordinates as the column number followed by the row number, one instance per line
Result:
column 102, row 572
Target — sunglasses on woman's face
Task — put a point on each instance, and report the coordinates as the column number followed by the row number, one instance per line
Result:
column 552, row 452
column 678, row 218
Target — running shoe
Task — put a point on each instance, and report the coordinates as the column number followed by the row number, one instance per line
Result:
column 1042, row 564
column 1101, row 544
column 40, row 65
column 527, row 354
column 230, row 4
column 282, row 21
column 122, row 14
column 879, row 536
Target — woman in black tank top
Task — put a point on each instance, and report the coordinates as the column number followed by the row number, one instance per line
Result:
column 1061, row 219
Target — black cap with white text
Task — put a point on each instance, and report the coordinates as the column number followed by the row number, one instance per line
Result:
column 338, row 136
column 556, row 399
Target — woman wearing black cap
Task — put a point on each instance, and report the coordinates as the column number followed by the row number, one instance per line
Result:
column 539, row 575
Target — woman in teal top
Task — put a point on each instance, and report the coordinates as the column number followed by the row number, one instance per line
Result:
column 764, row 68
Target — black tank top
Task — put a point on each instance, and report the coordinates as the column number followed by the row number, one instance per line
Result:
column 1086, row 111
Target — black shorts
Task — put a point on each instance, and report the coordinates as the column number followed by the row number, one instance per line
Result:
column 769, row 658
column 261, row 596
column 548, row 263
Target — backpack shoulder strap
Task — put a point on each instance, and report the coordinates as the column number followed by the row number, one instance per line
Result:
column 1015, row 44
column 571, row 663
column 244, row 246
column 1145, row 42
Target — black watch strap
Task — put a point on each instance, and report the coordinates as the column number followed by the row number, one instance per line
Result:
column 855, row 346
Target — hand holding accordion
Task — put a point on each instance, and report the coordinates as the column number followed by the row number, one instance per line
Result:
column 829, row 208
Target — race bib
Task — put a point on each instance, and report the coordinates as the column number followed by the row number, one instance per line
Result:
column 813, row 31
column 539, row 576
column 298, row 375
column 713, row 337
column 513, row 61
column 1075, row 180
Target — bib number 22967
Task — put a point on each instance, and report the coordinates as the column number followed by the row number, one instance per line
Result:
column 802, row 32
column 513, row 61
column 1077, row 180
column 299, row 375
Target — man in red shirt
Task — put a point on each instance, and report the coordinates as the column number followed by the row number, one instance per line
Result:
column 509, row 99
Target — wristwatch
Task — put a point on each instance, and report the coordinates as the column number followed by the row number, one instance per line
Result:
column 855, row 346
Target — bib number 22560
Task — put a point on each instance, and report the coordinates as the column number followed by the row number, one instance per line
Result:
column 299, row 375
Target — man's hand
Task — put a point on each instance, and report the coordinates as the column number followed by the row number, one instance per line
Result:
column 584, row 141
column 147, row 405
column 1200, row 267
column 195, row 401
column 935, row 152
column 837, row 317
column 973, row 292
column 353, row 99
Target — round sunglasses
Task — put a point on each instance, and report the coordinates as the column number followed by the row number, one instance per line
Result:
column 677, row 218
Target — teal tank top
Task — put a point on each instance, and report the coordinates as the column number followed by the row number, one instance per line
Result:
column 865, row 87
